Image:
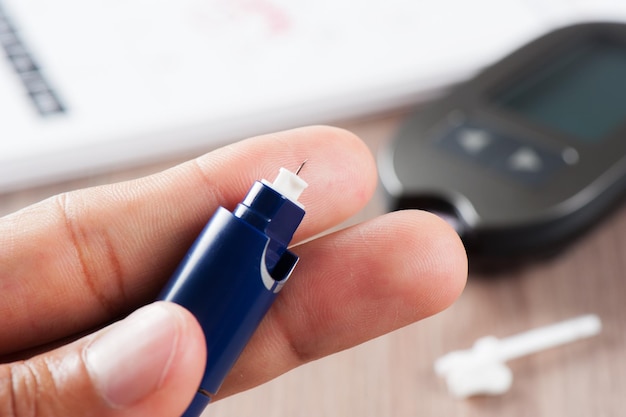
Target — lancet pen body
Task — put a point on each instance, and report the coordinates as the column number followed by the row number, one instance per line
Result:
column 233, row 272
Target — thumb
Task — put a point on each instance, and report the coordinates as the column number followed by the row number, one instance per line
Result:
column 149, row 364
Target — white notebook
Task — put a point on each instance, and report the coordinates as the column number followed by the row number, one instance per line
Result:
column 93, row 85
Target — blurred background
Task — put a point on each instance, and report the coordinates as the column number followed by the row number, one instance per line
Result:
column 90, row 87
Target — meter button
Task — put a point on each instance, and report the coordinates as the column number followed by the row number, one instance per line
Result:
column 525, row 160
column 529, row 164
column 480, row 145
column 501, row 153
column 474, row 141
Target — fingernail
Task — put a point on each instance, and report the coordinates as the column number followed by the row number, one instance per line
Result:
column 129, row 360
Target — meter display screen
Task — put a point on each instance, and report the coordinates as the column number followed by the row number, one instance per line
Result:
column 581, row 92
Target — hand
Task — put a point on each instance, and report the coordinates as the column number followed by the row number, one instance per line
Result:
column 78, row 261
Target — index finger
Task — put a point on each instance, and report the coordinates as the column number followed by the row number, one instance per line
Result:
column 86, row 257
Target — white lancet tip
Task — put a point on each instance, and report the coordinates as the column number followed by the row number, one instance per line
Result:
column 289, row 185
column 481, row 370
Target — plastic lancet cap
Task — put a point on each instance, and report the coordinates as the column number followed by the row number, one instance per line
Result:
column 289, row 185
column 482, row 369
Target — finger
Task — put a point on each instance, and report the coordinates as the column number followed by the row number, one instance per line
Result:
column 125, row 369
column 352, row 286
column 85, row 257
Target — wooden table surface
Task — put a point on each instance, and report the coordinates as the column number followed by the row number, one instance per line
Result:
column 393, row 375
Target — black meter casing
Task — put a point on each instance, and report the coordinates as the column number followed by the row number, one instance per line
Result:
column 527, row 154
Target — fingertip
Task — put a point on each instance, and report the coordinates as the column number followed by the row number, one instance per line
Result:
column 356, row 159
column 438, row 258
column 186, row 367
column 341, row 172
column 150, row 363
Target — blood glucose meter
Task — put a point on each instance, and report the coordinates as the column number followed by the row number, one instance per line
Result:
column 527, row 154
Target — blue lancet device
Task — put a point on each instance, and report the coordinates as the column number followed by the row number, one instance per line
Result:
column 234, row 270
